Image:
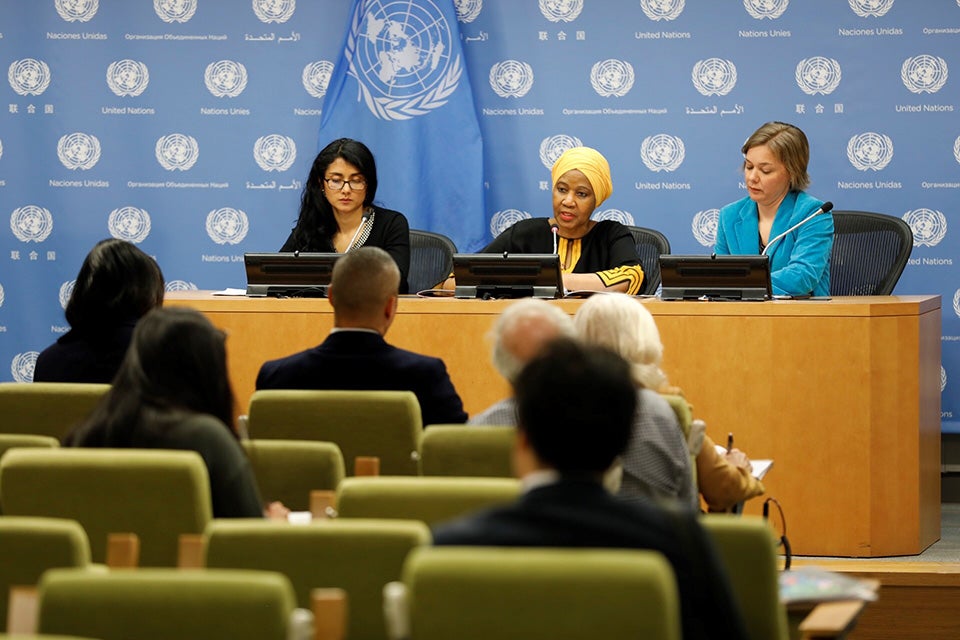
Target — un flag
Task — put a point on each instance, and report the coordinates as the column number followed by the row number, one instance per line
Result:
column 400, row 86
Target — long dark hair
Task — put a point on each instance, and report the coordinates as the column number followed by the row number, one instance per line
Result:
column 316, row 224
column 176, row 366
column 117, row 283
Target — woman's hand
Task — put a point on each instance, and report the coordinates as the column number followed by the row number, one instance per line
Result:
column 276, row 511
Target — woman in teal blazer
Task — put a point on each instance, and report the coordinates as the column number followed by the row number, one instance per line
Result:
column 775, row 173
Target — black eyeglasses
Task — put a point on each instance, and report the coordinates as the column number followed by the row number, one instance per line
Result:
column 356, row 184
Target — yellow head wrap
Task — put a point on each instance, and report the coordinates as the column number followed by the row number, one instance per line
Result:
column 592, row 164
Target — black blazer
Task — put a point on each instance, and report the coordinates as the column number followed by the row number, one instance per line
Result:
column 84, row 357
column 581, row 513
column 356, row 360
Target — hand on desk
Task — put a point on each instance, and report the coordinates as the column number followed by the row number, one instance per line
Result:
column 738, row 458
column 276, row 511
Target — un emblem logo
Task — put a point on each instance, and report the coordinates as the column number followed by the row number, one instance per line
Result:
column 316, row 77
column 870, row 151
column 503, row 220
column 76, row 10
column 704, row 226
column 177, row 151
column 867, row 8
column 818, row 75
column 78, row 151
column 956, row 295
column 175, row 10
column 612, row 78
column 623, row 217
column 760, row 9
column 511, row 78
column 662, row 152
column 179, row 285
column 130, row 224
column 1, row 295
column 31, row 223
column 1, row 149
column 275, row 152
column 662, row 9
column 956, row 145
column 127, row 77
column 227, row 225
column 714, row 76
column 29, row 77
column 561, row 10
column 929, row 227
column 924, row 74
column 468, row 10
column 23, row 365
column 274, row 10
column 943, row 377
column 402, row 58
column 225, row 78
column 553, row 147
column 66, row 290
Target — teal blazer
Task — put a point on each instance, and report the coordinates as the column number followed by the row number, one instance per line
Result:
column 800, row 261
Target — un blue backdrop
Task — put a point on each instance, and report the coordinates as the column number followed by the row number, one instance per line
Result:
column 188, row 127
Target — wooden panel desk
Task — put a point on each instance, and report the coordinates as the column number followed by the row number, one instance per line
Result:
column 844, row 394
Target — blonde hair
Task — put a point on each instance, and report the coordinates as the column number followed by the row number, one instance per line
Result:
column 789, row 144
column 622, row 324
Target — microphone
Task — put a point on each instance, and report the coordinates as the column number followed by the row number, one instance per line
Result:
column 554, row 229
column 363, row 221
column 824, row 208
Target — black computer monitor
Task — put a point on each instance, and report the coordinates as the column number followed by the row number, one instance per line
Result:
column 305, row 275
column 742, row 277
column 502, row 275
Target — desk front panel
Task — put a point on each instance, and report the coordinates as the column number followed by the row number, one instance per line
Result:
column 843, row 395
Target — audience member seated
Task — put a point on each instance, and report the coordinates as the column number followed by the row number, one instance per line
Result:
column 518, row 334
column 656, row 464
column 625, row 325
column 575, row 406
column 337, row 213
column 355, row 356
column 173, row 392
column 117, row 284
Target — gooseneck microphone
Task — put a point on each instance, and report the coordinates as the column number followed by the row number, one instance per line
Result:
column 824, row 208
column 363, row 221
column 554, row 229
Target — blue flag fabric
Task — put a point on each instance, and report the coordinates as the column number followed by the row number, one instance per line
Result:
column 401, row 87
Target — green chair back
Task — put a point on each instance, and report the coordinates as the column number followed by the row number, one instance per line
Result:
column 30, row 546
column 385, row 424
column 460, row 450
column 46, row 408
column 748, row 549
column 156, row 494
column 357, row 555
column 288, row 470
column 161, row 604
column 477, row 593
column 431, row 500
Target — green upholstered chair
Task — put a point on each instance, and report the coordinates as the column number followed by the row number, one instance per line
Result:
column 46, row 408
column 161, row 604
column 35, row 636
column 477, row 593
column 357, row 555
column 748, row 549
column 156, row 494
column 385, row 424
column 11, row 440
column 460, row 450
column 431, row 500
column 288, row 470
column 30, row 546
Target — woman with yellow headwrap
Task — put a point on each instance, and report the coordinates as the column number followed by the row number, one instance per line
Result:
column 594, row 255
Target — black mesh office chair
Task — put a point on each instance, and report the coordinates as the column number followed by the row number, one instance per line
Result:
column 869, row 253
column 431, row 259
column 650, row 244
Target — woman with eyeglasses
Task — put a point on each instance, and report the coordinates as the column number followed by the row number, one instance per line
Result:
column 337, row 213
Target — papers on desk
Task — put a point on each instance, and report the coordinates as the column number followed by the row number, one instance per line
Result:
column 760, row 467
column 230, row 292
column 813, row 585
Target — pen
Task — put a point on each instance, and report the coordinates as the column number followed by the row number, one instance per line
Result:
column 729, row 441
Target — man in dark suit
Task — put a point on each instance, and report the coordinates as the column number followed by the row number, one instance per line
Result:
column 364, row 292
column 575, row 408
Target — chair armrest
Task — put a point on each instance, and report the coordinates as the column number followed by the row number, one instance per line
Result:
column 123, row 550
column 329, row 613
column 22, row 610
column 831, row 619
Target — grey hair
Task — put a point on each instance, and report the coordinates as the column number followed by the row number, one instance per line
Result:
column 513, row 317
column 624, row 325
